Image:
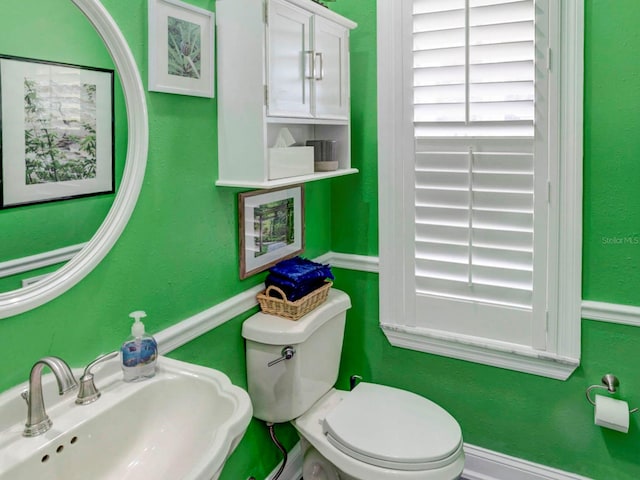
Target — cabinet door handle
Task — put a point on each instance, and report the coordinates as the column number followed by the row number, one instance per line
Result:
column 309, row 66
column 320, row 76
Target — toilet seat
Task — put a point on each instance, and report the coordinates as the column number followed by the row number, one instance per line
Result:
column 394, row 429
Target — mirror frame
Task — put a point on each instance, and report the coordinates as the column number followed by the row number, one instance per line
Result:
column 27, row 298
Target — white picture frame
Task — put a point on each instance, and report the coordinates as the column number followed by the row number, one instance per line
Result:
column 181, row 48
column 57, row 138
column 271, row 227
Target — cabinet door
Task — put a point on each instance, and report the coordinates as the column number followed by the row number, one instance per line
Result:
column 331, row 69
column 288, row 60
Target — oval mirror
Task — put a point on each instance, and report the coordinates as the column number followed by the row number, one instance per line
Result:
column 63, row 147
column 56, row 283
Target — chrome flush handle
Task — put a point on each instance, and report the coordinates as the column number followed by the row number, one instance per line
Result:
column 287, row 354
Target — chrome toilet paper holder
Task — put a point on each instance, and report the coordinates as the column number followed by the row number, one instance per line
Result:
column 610, row 383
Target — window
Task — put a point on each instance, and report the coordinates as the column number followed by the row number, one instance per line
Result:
column 480, row 164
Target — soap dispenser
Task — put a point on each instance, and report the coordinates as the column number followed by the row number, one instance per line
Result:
column 139, row 352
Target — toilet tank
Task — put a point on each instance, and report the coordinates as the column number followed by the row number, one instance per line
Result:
column 289, row 388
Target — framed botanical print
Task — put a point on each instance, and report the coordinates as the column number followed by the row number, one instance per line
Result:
column 181, row 48
column 57, row 131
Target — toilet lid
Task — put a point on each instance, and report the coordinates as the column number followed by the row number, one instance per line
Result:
column 393, row 428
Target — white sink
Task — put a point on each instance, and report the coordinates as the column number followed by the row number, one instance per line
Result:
column 181, row 424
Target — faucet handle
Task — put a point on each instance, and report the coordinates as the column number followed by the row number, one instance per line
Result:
column 88, row 392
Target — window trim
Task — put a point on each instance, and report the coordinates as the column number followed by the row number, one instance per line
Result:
column 395, row 137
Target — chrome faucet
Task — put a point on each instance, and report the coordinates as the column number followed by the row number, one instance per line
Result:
column 88, row 392
column 38, row 421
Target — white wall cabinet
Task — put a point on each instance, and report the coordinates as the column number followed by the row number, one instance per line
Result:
column 307, row 64
column 281, row 63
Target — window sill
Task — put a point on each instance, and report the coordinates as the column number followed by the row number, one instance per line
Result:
column 511, row 357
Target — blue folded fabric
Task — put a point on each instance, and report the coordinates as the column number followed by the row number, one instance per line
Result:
column 298, row 277
column 299, row 270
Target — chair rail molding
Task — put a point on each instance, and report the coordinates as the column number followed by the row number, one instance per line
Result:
column 590, row 310
column 192, row 327
column 201, row 323
column 183, row 332
column 40, row 260
column 611, row 312
column 351, row 261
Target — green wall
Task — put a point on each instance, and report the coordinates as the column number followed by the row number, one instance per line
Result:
column 178, row 256
column 612, row 148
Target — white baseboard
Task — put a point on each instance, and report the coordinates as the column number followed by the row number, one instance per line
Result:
column 480, row 464
column 483, row 464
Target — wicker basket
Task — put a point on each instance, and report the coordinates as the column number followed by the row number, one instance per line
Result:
column 291, row 310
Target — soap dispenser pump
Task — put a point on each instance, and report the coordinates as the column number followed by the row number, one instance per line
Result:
column 139, row 351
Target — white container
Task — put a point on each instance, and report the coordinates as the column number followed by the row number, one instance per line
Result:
column 290, row 162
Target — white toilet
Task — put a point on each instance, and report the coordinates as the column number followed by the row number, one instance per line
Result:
column 373, row 432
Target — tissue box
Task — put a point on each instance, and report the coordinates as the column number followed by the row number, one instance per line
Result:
column 290, row 162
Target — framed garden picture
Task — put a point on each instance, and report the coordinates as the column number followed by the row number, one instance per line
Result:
column 57, row 131
column 181, row 48
column 271, row 227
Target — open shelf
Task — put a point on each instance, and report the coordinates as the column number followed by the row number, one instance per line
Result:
column 283, row 182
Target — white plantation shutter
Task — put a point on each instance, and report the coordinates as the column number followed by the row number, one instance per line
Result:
column 475, row 168
column 479, row 184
